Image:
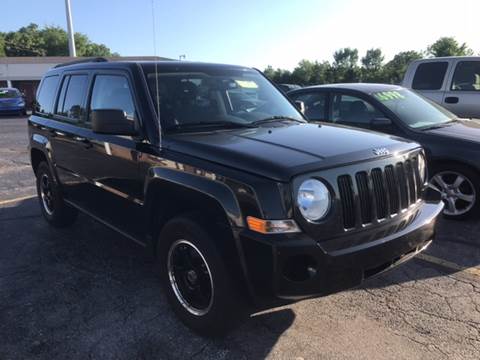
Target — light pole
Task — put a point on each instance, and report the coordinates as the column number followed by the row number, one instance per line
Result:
column 71, row 39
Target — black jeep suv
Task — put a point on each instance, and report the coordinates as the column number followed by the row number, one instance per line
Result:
column 244, row 203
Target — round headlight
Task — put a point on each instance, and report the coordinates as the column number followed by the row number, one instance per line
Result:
column 313, row 199
column 422, row 168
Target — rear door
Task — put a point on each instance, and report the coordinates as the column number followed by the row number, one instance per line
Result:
column 315, row 102
column 66, row 135
column 463, row 90
column 351, row 110
column 430, row 79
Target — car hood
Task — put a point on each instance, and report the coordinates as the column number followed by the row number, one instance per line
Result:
column 281, row 152
column 464, row 129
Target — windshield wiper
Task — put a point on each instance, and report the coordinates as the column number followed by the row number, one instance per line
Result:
column 439, row 126
column 276, row 118
column 208, row 124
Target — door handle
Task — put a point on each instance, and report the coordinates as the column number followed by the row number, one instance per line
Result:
column 451, row 100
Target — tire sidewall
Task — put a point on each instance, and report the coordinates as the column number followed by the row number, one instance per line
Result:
column 474, row 179
column 43, row 169
column 221, row 315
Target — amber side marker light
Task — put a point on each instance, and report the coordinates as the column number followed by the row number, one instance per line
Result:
column 272, row 226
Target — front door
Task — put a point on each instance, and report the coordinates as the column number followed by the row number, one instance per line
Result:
column 115, row 189
column 463, row 94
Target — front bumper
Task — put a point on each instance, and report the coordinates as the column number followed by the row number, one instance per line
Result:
column 4, row 109
column 295, row 266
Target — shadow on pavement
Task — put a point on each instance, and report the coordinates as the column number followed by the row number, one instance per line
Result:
column 457, row 246
column 88, row 292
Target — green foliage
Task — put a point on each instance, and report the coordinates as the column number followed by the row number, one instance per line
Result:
column 395, row 68
column 345, row 68
column 448, row 46
column 49, row 41
column 2, row 44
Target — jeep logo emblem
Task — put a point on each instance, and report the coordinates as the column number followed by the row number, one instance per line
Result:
column 381, row 151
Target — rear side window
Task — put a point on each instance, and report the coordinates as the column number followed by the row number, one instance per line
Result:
column 429, row 76
column 46, row 95
column 72, row 97
column 112, row 92
column 467, row 76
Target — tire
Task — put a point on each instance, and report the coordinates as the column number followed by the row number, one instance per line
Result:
column 54, row 209
column 459, row 187
column 216, row 311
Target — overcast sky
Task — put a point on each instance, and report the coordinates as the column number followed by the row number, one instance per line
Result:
column 256, row 32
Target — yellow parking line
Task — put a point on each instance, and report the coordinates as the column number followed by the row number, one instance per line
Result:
column 449, row 265
column 10, row 201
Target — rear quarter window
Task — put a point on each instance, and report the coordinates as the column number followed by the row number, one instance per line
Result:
column 430, row 76
column 46, row 95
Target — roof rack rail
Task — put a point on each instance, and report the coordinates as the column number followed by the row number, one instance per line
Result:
column 94, row 59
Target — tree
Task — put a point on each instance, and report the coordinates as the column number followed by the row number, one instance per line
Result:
column 345, row 58
column 372, row 66
column 2, row 44
column 448, row 46
column 49, row 41
column 345, row 65
column 24, row 42
column 395, row 69
column 373, row 59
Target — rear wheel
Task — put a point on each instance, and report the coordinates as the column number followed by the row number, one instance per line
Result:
column 195, row 278
column 52, row 204
column 459, row 188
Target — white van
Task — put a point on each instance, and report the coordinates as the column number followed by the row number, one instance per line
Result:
column 453, row 82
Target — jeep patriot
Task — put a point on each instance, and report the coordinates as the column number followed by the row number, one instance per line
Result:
column 244, row 204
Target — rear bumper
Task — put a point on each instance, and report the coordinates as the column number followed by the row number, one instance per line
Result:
column 295, row 266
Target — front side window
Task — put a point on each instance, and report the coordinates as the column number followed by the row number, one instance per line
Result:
column 112, row 92
column 72, row 97
column 315, row 104
column 467, row 76
column 348, row 109
column 413, row 110
column 429, row 76
column 215, row 96
column 46, row 95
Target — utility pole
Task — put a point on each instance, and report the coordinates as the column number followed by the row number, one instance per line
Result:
column 71, row 39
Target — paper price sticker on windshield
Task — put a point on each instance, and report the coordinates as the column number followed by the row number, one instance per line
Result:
column 388, row 95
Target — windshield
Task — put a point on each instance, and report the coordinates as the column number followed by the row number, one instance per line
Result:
column 414, row 110
column 9, row 93
column 238, row 97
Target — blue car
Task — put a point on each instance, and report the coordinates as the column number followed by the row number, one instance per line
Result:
column 12, row 102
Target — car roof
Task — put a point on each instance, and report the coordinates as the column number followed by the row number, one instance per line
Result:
column 8, row 88
column 367, row 88
column 162, row 65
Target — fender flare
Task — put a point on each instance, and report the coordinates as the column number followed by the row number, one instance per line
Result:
column 207, row 185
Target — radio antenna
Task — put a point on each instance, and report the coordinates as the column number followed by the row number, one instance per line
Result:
column 157, row 92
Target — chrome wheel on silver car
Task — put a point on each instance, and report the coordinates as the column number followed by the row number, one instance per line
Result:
column 190, row 277
column 456, row 190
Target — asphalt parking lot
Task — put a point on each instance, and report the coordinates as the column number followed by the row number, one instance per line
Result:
column 86, row 292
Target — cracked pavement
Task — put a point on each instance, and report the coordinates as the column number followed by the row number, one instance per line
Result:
column 87, row 292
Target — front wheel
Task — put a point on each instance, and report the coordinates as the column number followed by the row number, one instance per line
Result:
column 195, row 278
column 459, row 188
column 52, row 204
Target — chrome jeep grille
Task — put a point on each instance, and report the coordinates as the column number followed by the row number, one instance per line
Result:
column 379, row 193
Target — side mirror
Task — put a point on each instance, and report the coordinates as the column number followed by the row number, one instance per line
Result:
column 300, row 106
column 112, row 122
column 381, row 122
